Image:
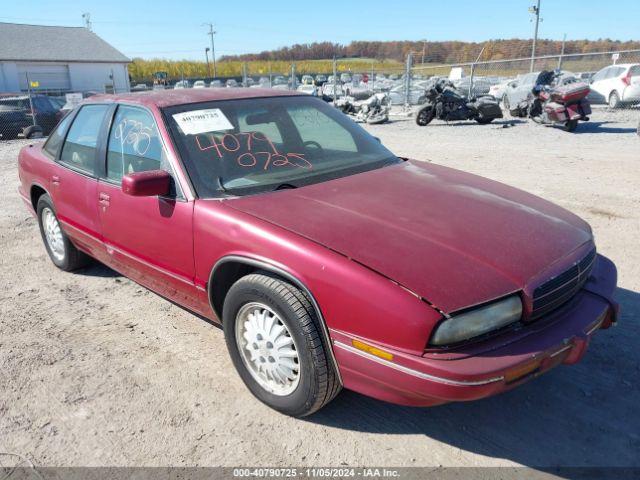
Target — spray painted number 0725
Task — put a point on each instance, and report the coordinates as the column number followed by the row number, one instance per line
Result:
column 267, row 159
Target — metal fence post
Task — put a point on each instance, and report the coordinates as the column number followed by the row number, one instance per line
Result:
column 293, row 76
column 270, row 75
column 373, row 77
column 335, row 77
column 33, row 115
column 407, row 81
column 244, row 74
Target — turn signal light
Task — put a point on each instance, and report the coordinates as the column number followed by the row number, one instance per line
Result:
column 371, row 350
column 521, row 371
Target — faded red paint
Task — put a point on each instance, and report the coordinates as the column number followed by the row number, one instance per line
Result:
column 384, row 253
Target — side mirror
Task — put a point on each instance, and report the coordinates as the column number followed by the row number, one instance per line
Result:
column 146, row 184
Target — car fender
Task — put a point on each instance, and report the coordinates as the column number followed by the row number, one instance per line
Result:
column 273, row 267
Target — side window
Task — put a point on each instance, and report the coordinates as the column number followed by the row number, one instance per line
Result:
column 612, row 73
column 135, row 145
column 56, row 137
column 79, row 149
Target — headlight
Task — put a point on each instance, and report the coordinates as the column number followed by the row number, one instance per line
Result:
column 477, row 322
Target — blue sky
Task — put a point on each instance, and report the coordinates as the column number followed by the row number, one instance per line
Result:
column 173, row 29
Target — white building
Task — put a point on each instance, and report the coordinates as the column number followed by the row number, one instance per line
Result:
column 67, row 59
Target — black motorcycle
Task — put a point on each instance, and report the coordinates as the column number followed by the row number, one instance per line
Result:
column 444, row 102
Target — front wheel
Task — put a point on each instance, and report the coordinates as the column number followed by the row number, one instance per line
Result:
column 274, row 338
column 571, row 125
column 62, row 252
column 425, row 115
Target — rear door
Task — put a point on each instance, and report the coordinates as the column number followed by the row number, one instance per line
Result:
column 73, row 182
column 149, row 239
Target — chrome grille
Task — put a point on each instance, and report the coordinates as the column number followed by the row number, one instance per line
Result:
column 556, row 291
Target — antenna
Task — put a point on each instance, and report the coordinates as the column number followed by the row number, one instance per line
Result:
column 86, row 16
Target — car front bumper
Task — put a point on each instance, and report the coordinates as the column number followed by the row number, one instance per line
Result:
column 479, row 371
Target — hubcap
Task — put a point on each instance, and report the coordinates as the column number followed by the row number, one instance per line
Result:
column 53, row 233
column 267, row 349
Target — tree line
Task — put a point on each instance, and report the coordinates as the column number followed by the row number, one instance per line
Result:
column 434, row 52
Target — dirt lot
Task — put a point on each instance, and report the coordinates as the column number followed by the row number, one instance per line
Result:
column 95, row 370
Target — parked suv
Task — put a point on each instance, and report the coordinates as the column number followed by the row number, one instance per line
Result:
column 16, row 118
column 616, row 85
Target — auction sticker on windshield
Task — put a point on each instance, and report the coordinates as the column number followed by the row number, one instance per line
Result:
column 202, row 121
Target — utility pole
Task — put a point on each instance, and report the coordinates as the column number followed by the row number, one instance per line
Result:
column 206, row 55
column 211, row 33
column 564, row 39
column 535, row 9
column 87, row 20
column 424, row 50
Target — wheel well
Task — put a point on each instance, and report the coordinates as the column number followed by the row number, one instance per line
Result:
column 223, row 277
column 36, row 193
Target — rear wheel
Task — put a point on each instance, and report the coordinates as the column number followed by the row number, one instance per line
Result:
column 62, row 252
column 571, row 125
column 34, row 131
column 425, row 115
column 614, row 100
column 273, row 336
column 484, row 121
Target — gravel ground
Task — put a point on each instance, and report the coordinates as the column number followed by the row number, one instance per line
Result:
column 95, row 370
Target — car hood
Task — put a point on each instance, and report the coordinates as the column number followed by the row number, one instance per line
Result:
column 453, row 238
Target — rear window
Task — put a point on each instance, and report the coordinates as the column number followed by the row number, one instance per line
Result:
column 56, row 137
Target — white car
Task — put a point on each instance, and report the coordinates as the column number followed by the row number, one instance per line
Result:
column 308, row 89
column 182, row 84
column 199, row 84
column 616, row 85
column 498, row 91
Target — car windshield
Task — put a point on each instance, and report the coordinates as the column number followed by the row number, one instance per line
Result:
column 249, row 146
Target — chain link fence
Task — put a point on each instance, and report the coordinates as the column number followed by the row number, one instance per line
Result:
column 41, row 102
column 614, row 77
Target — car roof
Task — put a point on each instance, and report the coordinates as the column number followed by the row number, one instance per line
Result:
column 168, row 98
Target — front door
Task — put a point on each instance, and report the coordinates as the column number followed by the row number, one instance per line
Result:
column 149, row 239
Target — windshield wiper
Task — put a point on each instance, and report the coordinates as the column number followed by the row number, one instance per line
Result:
column 285, row 186
column 221, row 185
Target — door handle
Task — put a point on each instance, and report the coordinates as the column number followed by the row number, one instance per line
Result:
column 55, row 180
column 104, row 200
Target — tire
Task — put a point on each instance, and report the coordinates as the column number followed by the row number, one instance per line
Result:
column 571, row 125
column 311, row 380
column 425, row 115
column 505, row 102
column 484, row 121
column 34, row 131
column 614, row 100
column 62, row 252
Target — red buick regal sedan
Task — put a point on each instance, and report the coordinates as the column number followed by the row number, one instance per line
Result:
column 329, row 261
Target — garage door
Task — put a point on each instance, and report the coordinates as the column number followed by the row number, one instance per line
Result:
column 50, row 77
